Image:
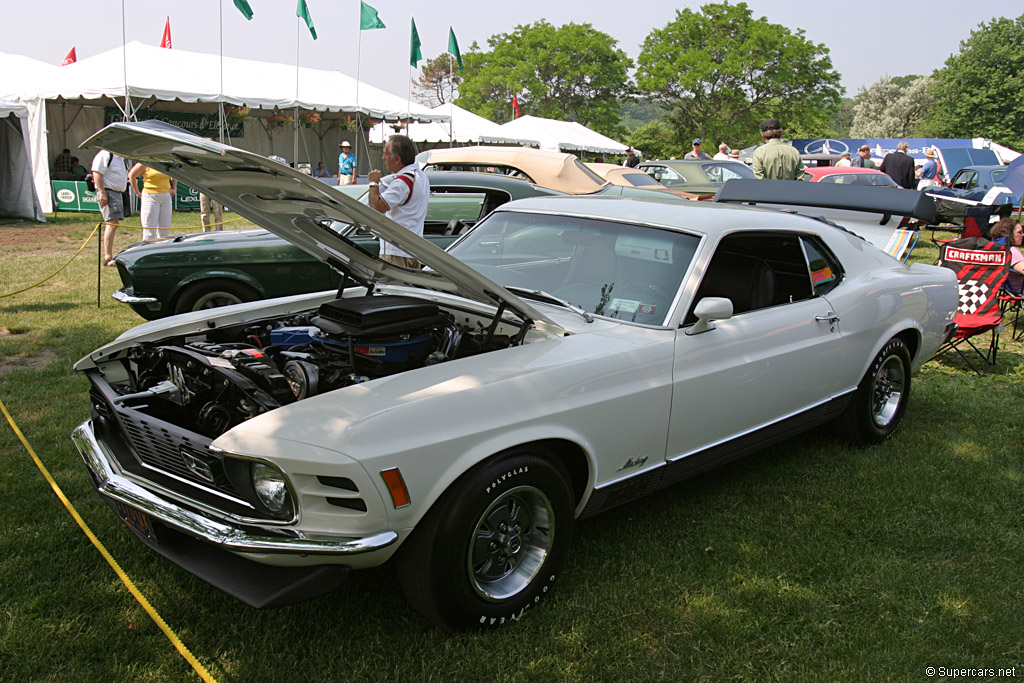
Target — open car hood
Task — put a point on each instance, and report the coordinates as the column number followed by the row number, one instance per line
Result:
column 301, row 209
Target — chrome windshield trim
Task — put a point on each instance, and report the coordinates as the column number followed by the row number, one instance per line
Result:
column 119, row 488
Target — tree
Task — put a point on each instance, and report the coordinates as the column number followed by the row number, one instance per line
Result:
column 892, row 108
column 438, row 82
column 656, row 140
column 978, row 90
column 721, row 71
column 573, row 73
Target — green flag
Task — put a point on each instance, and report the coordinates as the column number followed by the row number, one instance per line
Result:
column 414, row 46
column 243, row 7
column 302, row 12
column 453, row 46
column 368, row 18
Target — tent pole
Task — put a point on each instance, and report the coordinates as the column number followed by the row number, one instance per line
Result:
column 220, row 100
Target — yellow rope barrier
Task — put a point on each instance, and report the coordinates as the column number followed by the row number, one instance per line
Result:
column 4, row 296
column 171, row 635
column 98, row 225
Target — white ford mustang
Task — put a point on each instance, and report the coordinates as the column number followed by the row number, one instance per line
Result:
column 565, row 356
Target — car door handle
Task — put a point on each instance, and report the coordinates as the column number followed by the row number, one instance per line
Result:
column 828, row 318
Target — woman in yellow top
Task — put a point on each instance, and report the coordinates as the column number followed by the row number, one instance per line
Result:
column 157, row 193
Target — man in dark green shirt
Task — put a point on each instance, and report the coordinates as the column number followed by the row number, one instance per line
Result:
column 775, row 160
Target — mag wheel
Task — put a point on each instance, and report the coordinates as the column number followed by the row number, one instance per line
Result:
column 491, row 547
column 877, row 408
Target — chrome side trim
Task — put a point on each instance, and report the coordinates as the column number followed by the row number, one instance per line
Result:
column 126, row 298
column 113, row 485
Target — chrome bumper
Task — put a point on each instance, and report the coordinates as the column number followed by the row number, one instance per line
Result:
column 115, row 486
column 126, row 298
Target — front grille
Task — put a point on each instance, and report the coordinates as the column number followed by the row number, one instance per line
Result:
column 174, row 451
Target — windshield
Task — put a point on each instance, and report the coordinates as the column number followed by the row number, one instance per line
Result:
column 616, row 270
column 876, row 179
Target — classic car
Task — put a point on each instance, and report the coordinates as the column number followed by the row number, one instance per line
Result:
column 633, row 178
column 564, row 356
column 848, row 175
column 971, row 186
column 206, row 270
column 695, row 177
column 556, row 170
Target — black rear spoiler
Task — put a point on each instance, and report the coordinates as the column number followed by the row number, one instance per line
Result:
column 883, row 200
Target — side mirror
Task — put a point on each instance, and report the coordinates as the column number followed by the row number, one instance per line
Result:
column 710, row 308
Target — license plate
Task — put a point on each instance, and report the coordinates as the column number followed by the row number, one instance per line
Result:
column 137, row 520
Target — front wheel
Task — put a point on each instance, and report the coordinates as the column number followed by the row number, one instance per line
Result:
column 492, row 545
column 214, row 294
column 877, row 407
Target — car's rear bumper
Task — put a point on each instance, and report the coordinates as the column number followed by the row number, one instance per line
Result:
column 126, row 298
column 215, row 550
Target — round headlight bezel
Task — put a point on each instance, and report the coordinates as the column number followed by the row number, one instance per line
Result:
column 271, row 489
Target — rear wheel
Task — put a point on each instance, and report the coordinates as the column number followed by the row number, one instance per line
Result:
column 214, row 294
column 492, row 545
column 877, row 407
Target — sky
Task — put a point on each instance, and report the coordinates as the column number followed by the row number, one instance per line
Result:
column 867, row 39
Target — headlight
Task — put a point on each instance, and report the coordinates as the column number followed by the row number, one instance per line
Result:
column 272, row 489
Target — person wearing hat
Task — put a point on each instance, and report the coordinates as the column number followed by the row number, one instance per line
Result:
column 929, row 176
column 900, row 166
column 346, row 164
column 844, row 160
column 734, row 155
column 775, row 160
column 631, row 158
column 696, row 153
column 863, row 159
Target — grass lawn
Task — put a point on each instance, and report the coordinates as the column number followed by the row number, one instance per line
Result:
column 810, row 561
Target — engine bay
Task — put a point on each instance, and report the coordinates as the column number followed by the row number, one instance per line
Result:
column 208, row 383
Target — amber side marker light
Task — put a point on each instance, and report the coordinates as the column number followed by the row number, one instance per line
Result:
column 396, row 487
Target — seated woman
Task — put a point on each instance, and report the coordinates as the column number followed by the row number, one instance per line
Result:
column 1009, row 233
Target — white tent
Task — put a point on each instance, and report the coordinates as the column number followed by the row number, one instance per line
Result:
column 149, row 72
column 17, row 191
column 465, row 127
column 70, row 103
column 561, row 136
column 22, row 77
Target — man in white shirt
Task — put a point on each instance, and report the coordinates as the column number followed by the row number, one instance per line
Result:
column 723, row 153
column 402, row 196
column 110, row 175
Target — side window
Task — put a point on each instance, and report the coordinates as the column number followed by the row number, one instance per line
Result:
column 972, row 181
column 664, row 175
column 758, row 270
column 822, row 266
column 961, row 180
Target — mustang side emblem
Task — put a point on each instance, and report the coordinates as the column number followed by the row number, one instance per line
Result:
column 632, row 462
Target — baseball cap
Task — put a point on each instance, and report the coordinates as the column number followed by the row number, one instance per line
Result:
column 697, row 141
column 865, row 148
column 770, row 124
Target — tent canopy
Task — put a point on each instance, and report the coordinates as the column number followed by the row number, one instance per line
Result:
column 168, row 75
column 561, row 135
column 464, row 127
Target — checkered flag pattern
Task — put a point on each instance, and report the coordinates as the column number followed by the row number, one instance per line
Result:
column 973, row 294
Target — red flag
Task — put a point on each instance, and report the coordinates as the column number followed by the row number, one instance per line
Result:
column 166, row 40
column 71, row 58
column 515, row 105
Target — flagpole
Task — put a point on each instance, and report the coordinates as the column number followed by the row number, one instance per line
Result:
column 124, row 61
column 359, row 120
column 451, row 102
column 295, row 113
column 220, row 99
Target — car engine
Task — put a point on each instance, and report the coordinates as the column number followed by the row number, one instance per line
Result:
column 211, row 382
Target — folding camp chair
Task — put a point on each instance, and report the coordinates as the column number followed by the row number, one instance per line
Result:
column 977, row 222
column 982, row 267
column 1012, row 306
column 901, row 243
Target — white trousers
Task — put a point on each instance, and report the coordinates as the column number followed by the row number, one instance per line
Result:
column 156, row 215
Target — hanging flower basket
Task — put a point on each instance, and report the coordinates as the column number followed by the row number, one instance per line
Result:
column 237, row 113
column 309, row 118
column 369, row 123
column 279, row 120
